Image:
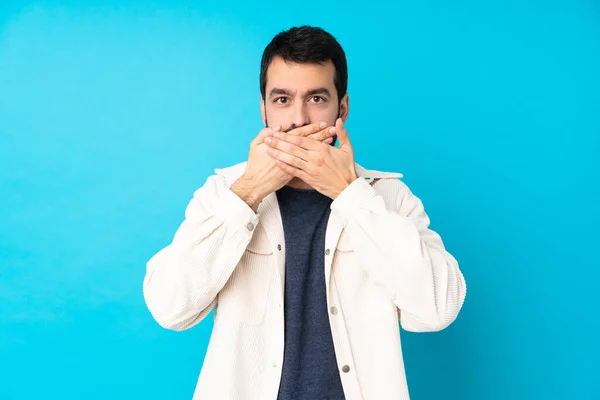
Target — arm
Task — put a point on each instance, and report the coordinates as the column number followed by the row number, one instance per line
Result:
column 183, row 280
column 395, row 246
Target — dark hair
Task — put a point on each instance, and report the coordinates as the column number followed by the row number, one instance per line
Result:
column 306, row 44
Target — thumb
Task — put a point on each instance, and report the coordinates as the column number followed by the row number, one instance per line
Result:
column 341, row 133
column 263, row 134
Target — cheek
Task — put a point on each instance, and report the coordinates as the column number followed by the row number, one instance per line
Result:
column 328, row 114
column 277, row 116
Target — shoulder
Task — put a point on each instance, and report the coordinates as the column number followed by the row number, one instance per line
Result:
column 390, row 186
column 382, row 180
column 222, row 177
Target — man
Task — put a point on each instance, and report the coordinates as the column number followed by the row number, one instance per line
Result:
column 308, row 259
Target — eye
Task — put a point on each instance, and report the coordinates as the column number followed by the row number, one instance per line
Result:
column 281, row 100
column 317, row 99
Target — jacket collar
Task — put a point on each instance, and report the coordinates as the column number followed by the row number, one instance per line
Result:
column 234, row 172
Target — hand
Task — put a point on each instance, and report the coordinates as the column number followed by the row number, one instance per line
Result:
column 262, row 176
column 326, row 168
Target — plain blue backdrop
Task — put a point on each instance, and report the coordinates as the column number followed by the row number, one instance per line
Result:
column 113, row 113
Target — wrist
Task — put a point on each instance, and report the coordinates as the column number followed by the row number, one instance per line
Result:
column 353, row 176
column 248, row 190
column 347, row 182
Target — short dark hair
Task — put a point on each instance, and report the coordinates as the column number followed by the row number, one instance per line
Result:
column 306, row 45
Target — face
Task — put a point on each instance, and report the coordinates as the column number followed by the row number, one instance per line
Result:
column 301, row 94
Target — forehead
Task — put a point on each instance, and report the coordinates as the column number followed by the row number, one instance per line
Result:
column 289, row 75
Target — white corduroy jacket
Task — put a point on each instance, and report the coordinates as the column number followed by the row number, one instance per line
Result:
column 382, row 265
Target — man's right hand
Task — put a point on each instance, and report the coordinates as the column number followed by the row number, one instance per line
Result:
column 262, row 176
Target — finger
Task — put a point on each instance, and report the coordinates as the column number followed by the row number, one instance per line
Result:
column 323, row 134
column 287, row 158
column 297, row 172
column 278, row 142
column 303, row 143
column 341, row 132
column 308, row 129
column 264, row 133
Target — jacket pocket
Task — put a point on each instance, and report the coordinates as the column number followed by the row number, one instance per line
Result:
column 363, row 294
column 344, row 245
column 244, row 297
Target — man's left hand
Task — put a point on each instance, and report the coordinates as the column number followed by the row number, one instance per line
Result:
column 326, row 168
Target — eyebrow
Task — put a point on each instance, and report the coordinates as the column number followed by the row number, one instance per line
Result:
column 312, row 92
column 321, row 90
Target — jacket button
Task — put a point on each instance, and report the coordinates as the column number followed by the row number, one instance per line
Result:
column 327, row 252
column 333, row 310
column 279, row 247
column 345, row 368
column 250, row 226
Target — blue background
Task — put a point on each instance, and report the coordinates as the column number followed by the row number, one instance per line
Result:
column 113, row 113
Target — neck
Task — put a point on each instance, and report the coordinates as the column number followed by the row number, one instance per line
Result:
column 298, row 183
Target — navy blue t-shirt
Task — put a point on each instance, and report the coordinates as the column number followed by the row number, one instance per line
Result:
column 310, row 369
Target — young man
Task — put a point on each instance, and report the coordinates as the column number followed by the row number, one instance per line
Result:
column 308, row 259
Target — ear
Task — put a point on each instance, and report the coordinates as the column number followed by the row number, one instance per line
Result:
column 345, row 107
column 263, row 111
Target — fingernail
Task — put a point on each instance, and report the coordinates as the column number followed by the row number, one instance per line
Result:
column 268, row 140
column 332, row 130
column 276, row 128
column 276, row 135
column 323, row 124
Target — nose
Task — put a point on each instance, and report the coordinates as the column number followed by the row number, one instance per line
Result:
column 300, row 116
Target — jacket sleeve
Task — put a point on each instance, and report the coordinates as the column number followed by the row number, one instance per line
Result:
column 183, row 280
column 396, row 247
